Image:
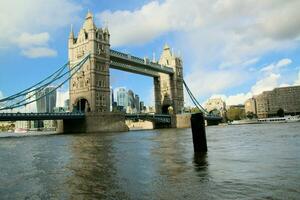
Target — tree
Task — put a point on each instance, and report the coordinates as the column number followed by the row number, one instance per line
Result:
column 235, row 114
column 215, row 112
column 250, row 115
column 280, row 112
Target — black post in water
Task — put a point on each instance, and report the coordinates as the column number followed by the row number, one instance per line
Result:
column 198, row 130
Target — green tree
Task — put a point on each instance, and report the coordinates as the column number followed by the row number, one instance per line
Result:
column 250, row 115
column 280, row 112
column 235, row 114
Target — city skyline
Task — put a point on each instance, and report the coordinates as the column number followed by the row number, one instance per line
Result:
column 246, row 57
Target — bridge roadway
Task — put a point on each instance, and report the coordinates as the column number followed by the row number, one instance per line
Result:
column 158, row 118
column 77, row 115
column 40, row 116
column 129, row 63
column 165, row 119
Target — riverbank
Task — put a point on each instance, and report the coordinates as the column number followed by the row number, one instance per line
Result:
column 33, row 133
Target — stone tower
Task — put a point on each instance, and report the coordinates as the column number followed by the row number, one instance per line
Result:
column 89, row 88
column 169, row 88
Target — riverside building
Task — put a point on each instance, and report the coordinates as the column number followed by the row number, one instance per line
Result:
column 268, row 103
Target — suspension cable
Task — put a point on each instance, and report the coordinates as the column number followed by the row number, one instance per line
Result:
column 21, row 93
column 45, row 85
column 38, row 89
column 194, row 100
column 80, row 64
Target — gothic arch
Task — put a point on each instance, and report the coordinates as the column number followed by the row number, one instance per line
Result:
column 81, row 104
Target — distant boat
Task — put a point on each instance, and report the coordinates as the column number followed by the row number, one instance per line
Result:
column 286, row 119
column 244, row 121
column 21, row 130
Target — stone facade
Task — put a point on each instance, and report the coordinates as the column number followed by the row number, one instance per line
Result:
column 250, row 106
column 269, row 102
column 216, row 104
column 90, row 87
column 94, row 123
column 168, row 89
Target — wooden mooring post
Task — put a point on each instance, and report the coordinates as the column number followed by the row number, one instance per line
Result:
column 198, row 131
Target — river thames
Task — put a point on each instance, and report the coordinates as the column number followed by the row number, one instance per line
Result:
column 243, row 162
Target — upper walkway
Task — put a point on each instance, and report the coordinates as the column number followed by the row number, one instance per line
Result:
column 129, row 63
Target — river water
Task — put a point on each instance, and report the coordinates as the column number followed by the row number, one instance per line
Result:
column 243, row 162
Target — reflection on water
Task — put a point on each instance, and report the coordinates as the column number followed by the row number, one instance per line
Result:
column 251, row 161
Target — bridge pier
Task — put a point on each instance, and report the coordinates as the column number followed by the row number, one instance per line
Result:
column 177, row 121
column 95, row 122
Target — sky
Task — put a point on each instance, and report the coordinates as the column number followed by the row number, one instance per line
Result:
column 230, row 48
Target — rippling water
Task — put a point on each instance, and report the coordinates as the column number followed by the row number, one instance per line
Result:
column 243, row 162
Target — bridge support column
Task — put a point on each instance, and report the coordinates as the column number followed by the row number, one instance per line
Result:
column 177, row 121
column 96, row 123
column 157, row 95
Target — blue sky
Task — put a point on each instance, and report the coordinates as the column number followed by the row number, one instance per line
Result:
column 231, row 49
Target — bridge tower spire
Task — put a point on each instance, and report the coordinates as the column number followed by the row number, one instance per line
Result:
column 169, row 88
column 89, row 88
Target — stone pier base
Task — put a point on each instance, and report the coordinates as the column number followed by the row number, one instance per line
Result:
column 177, row 121
column 181, row 121
column 95, row 123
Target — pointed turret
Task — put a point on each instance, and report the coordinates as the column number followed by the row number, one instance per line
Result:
column 89, row 22
column 71, row 36
column 166, row 47
column 166, row 56
column 89, row 15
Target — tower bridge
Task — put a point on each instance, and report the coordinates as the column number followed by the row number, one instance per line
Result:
column 90, row 88
column 90, row 60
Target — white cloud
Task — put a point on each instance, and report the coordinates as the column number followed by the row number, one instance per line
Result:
column 276, row 66
column 228, row 37
column 204, row 82
column 150, row 21
column 37, row 52
column 35, row 45
column 28, row 23
column 233, row 99
column 29, row 40
column 266, row 84
column 284, row 62
column 231, row 30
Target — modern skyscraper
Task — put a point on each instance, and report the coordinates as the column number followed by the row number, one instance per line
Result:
column 111, row 99
column 31, row 107
column 137, row 103
column 131, row 102
column 127, row 100
column 46, row 101
column 122, row 97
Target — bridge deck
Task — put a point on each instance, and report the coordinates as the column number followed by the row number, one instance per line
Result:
column 161, row 118
column 39, row 116
column 137, row 65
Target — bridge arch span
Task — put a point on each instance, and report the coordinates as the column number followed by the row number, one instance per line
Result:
column 81, row 104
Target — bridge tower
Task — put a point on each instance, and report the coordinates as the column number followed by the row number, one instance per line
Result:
column 89, row 88
column 168, row 89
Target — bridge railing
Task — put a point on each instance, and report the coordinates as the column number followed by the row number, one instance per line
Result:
column 37, row 116
column 151, row 117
